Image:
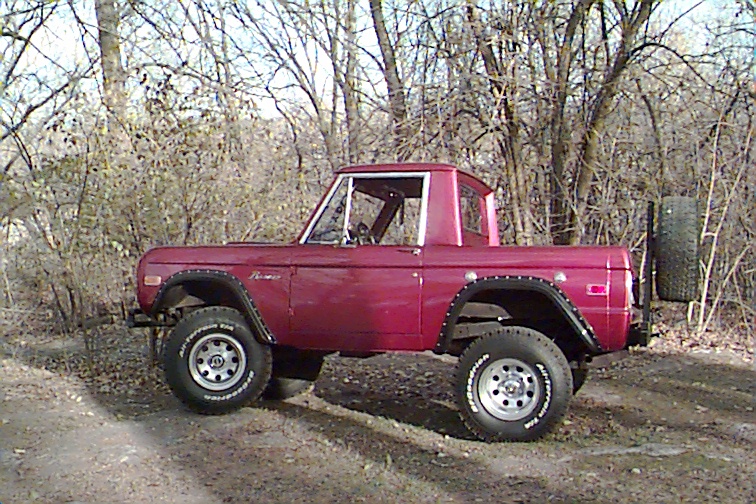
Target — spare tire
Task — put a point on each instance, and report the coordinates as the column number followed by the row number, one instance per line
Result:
column 677, row 249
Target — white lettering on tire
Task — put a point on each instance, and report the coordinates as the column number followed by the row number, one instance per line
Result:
column 233, row 394
column 471, row 380
column 223, row 327
column 185, row 344
column 547, row 399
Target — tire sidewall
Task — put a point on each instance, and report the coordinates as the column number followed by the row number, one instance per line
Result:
column 179, row 348
column 555, row 390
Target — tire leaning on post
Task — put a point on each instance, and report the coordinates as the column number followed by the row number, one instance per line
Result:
column 677, row 249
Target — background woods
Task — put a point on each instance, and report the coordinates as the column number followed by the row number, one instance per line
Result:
column 129, row 124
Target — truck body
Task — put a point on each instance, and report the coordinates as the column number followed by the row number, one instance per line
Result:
column 395, row 257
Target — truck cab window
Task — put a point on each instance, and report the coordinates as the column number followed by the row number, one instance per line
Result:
column 372, row 211
column 471, row 205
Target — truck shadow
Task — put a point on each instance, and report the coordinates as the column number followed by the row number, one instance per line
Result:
column 431, row 462
column 291, row 451
column 412, row 389
column 678, row 392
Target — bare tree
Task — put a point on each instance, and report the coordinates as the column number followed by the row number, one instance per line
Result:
column 504, row 89
column 108, row 21
column 631, row 22
column 27, row 89
column 389, row 67
column 558, row 72
column 576, row 111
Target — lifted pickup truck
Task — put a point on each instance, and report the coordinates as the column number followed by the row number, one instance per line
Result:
column 403, row 258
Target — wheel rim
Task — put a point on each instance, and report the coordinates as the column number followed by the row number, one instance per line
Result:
column 217, row 362
column 509, row 389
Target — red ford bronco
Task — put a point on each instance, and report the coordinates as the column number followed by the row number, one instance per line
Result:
column 406, row 258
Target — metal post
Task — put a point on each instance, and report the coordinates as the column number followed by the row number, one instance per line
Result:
column 648, row 281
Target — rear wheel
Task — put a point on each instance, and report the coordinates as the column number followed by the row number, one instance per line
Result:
column 677, row 249
column 213, row 362
column 512, row 385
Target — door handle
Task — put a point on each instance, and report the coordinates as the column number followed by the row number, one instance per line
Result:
column 413, row 251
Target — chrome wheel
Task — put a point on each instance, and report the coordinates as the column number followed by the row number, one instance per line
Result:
column 217, row 362
column 509, row 389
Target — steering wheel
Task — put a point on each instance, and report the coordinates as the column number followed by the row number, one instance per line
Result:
column 364, row 237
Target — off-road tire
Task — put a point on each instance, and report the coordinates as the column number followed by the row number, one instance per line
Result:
column 677, row 249
column 513, row 384
column 213, row 363
column 292, row 375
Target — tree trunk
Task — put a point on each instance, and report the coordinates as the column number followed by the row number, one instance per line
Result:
column 602, row 105
column 509, row 142
column 110, row 55
column 561, row 200
column 393, row 81
column 350, row 87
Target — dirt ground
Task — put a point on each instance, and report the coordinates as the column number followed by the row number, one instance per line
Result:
column 652, row 427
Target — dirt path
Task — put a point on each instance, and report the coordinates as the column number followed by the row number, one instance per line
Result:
column 651, row 428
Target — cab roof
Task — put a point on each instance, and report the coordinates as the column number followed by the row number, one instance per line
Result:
column 416, row 167
column 398, row 167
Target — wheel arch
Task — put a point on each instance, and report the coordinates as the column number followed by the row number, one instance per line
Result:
column 211, row 288
column 517, row 295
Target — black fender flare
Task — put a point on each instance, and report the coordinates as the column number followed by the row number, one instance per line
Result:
column 224, row 280
column 522, row 283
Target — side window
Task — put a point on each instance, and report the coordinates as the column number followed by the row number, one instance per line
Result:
column 470, row 205
column 370, row 210
column 404, row 228
column 386, row 211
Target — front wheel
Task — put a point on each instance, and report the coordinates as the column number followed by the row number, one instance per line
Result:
column 513, row 385
column 213, row 362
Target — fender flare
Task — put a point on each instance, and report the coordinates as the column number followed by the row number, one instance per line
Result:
column 522, row 283
column 225, row 280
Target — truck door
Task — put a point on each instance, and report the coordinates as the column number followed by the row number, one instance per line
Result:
column 356, row 284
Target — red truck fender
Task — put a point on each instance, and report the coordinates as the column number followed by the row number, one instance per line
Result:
column 201, row 282
column 549, row 290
